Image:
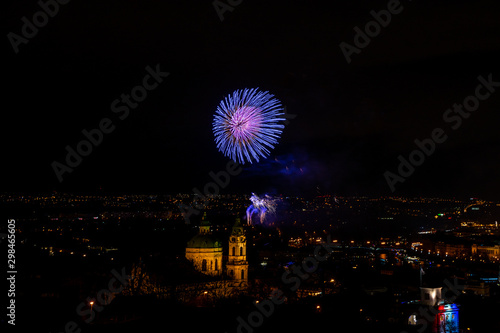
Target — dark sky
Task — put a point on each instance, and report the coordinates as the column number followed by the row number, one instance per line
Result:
column 352, row 120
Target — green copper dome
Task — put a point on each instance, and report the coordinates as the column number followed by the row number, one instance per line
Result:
column 204, row 242
column 204, row 239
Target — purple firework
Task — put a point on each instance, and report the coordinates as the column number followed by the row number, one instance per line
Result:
column 246, row 125
column 260, row 206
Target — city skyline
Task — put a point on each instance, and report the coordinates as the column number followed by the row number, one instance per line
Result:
column 374, row 251
column 251, row 166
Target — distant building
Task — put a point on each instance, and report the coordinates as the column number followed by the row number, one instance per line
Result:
column 433, row 314
column 237, row 264
column 478, row 288
column 454, row 250
column 205, row 251
column 430, row 296
column 447, row 319
column 493, row 252
column 446, row 315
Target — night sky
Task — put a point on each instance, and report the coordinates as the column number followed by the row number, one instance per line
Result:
column 350, row 121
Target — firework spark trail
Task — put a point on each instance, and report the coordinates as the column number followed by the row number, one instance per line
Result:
column 260, row 206
column 246, row 125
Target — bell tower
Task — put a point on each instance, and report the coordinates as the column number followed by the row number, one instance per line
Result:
column 237, row 264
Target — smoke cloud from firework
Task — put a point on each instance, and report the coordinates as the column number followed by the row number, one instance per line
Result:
column 296, row 172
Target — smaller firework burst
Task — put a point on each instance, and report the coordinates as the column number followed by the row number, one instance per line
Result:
column 261, row 207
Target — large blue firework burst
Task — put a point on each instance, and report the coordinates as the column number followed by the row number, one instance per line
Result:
column 246, row 125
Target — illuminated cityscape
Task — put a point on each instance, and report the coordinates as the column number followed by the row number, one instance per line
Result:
column 385, row 250
column 234, row 166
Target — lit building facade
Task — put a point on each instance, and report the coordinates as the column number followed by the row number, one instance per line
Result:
column 445, row 314
column 237, row 264
column 205, row 251
column 447, row 319
column 493, row 252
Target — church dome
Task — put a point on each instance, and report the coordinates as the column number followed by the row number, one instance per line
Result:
column 204, row 241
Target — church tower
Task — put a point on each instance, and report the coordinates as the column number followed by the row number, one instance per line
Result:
column 237, row 264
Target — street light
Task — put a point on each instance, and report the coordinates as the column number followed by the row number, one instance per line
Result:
column 91, row 303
